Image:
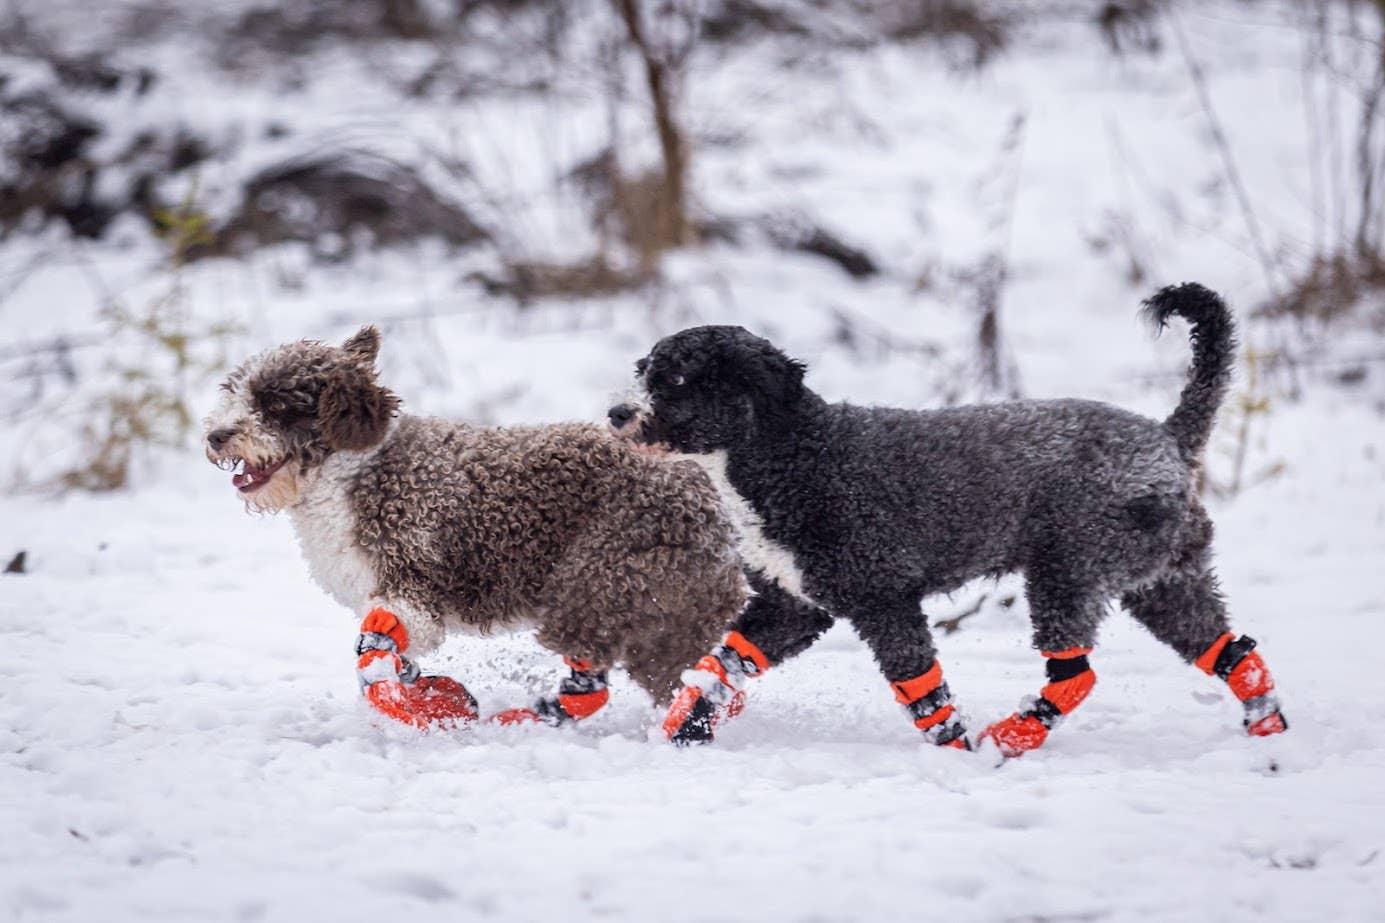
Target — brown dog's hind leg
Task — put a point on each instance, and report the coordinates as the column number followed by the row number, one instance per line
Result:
column 581, row 694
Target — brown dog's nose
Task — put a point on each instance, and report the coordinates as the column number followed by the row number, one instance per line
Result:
column 219, row 437
column 621, row 414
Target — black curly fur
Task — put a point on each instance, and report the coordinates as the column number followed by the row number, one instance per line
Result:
column 1214, row 353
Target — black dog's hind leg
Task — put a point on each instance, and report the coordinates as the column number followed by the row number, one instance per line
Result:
column 1065, row 619
column 897, row 633
column 773, row 627
column 1187, row 612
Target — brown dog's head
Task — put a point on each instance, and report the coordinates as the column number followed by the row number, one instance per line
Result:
column 283, row 412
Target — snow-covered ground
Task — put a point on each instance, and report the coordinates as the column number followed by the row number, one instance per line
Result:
column 181, row 737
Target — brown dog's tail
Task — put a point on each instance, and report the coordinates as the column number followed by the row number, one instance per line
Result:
column 1214, row 352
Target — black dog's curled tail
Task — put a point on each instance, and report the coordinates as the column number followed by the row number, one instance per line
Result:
column 1214, row 352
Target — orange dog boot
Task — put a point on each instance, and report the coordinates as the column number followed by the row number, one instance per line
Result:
column 515, row 716
column 712, row 691
column 581, row 694
column 384, row 631
column 1235, row 661
column 692, row 716
column 1070, row 681
column 392, row 684
column 1017, row 734
column 929, row 704
column 431, row 701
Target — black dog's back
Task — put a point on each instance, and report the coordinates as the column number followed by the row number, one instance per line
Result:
column 973, row 491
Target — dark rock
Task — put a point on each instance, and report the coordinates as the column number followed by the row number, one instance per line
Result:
column 343, row 196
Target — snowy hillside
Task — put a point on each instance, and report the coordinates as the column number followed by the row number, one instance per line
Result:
column 181, row 736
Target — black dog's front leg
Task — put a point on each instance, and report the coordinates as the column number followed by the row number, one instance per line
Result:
column 778, row 623
column 897, row 633
column 773, row 627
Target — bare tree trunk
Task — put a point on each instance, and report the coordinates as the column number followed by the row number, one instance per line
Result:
column 673, row 223
column 1367, row 249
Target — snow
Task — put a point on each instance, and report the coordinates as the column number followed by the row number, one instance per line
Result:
column 181, row 738
column 181, row 733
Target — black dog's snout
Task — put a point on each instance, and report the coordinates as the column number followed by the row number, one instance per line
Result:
column 621, row 414
column 219, row 437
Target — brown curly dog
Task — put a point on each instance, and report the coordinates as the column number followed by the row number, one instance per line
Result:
column 424, row 526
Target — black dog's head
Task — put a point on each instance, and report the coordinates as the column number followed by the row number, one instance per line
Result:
column 284, row 411
column 710, row 388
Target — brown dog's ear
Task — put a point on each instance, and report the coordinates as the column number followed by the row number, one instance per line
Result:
column 354, row 411
column 364, row 346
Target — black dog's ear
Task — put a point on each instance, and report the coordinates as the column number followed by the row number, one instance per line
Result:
column 364, row 345
column 354, row 411
column 774, row 382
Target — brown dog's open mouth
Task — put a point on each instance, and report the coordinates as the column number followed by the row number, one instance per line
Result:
column 248, row 478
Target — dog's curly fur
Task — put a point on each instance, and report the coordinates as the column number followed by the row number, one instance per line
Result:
column 861, row 512
column 613, row 556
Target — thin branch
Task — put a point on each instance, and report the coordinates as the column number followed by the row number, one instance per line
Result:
column 58, row 345
column 1233, row 173
column 1312, row 120
column 1365, row 163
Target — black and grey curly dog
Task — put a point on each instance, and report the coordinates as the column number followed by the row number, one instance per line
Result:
column 861, row 512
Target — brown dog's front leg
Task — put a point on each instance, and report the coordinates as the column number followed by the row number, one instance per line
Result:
column 392, row 684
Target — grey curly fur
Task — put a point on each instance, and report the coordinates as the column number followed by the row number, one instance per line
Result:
column 879, row 508
column 614, row 556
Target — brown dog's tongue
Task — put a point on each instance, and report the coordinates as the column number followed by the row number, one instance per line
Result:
column 240, row 480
